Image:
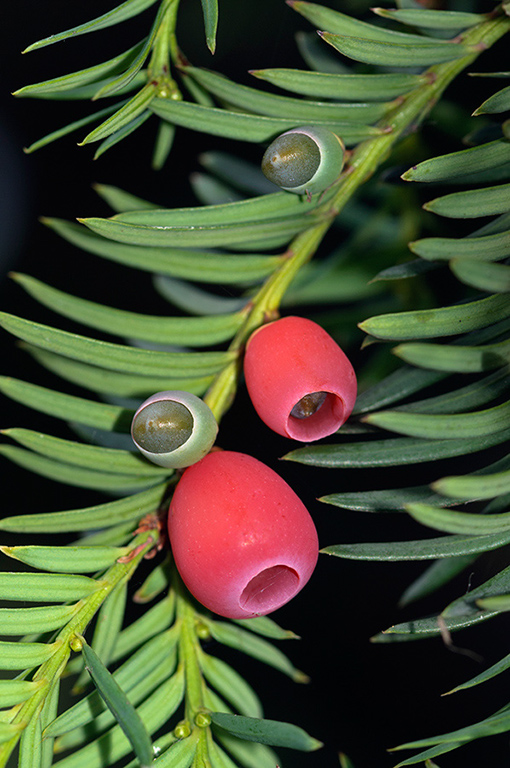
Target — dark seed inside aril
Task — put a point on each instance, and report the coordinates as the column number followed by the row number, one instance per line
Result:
column 308, row 405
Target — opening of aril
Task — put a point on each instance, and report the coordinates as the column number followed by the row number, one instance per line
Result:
column 326, row 419
column 269, row 589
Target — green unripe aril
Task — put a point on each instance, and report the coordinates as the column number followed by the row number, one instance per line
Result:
column 174, row 429
column 304, row 160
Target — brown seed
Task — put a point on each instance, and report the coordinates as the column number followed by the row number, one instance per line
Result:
column 308, row 405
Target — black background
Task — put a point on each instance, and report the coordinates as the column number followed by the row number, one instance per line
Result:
column 363, row 698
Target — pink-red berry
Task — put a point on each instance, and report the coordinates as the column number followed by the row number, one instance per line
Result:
column 243, row 542
column 300, row 382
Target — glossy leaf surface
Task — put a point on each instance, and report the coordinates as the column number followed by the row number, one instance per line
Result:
column 131, row 508
column 272, row 105
column 266, row 731
column 466, row 425
column 459, row 164
column 358, row 87
column 391, row 452
column 114, row 356
column 206, row 266
column 342, row 24
column 125, row 714
column 472, row 203
column 455, row 359
column 432, row 19
column 420, row 549
column 459, row 522
column 242, row 126
column 445, row 321
column 401, row 54
column 66, row 559
column 489, row 248
column 24, row 621
column 161, row 330
column 64, row 406
column 485, row 487
column 486, row 276
column 126, row 10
